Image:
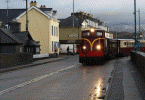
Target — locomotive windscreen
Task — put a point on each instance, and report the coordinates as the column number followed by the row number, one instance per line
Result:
column 98, row 33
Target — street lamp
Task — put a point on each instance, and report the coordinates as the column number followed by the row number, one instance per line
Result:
column 139, row 28
column 139, row 23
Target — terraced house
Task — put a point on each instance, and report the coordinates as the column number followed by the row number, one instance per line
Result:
column 42, row 24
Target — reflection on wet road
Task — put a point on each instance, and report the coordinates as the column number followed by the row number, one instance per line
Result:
column 76, row 83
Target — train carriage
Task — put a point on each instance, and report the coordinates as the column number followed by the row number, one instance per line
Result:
column 127, row 45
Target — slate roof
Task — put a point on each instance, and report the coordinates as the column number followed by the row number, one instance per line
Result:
column 45, row 9
column 68, row 22
column 26, row 38
column 31, row 43
column 9, row 33
column 13, row 13
column 23, row 36
column 94, row 20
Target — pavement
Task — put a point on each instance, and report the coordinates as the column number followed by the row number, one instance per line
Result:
column 126, row 83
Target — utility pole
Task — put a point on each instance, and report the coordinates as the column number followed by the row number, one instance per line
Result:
column 139, row 22
column 73, row 27
column 135, row 45
column 7, row 11
column 26, row 15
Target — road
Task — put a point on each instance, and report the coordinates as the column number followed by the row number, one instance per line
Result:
column 62, row 80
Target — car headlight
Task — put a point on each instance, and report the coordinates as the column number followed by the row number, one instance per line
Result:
column 98, row 47
column 84, row 47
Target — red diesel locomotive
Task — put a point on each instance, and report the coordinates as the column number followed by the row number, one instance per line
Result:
column 95, row 47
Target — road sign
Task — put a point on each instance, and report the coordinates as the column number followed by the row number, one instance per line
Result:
column 73, row 35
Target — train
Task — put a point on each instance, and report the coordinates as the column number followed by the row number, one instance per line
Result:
column 96, row 48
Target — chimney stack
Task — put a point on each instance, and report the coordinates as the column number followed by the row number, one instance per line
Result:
column 33, row 3
column 0, row 23
column 15, row 26
column 43, row 6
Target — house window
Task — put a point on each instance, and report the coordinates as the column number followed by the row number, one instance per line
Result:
column 37, row 49
column 52, row 46
column 56, row 31
column 21, row 49
column 52, row 30
column 29, row 49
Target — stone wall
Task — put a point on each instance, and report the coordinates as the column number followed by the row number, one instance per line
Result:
column 8, row 60
column 138, row 58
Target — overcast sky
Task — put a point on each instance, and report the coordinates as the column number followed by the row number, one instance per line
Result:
column 109, row 11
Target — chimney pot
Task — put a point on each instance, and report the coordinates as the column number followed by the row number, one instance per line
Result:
column 0, row 23
column 33, row 3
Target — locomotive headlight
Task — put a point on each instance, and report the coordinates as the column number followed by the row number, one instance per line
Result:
column 84, row 47
column 98, row 47
column 92, row 30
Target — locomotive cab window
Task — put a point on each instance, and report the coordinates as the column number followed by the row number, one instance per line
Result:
column 98, row 33
column 86, row 34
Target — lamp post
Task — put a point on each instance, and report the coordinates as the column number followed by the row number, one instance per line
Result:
column 135, row 45
column 139, row 28
column 73, row 26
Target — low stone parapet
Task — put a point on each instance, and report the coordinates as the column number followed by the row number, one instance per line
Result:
column 138, row 58
column 8, row 60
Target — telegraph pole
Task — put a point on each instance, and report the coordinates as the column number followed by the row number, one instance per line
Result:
column 26, row 15
column 73, row 27
column 135, row 45
column 139, row 21
column 7, row 11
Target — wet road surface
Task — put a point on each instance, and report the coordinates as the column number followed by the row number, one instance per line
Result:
column 61, row 80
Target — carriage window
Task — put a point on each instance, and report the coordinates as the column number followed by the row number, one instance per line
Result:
column 84, row 34
column 124, row 43
column 98, row 33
